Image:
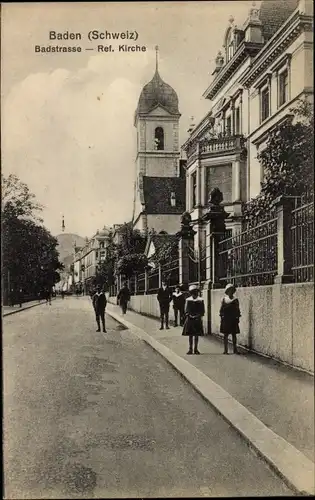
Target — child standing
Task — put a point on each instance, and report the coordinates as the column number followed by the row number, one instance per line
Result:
column 178, row 305
column 230, row 317
column 194, row 310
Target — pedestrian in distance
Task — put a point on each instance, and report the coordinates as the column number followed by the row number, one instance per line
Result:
column 230, row 316
column 20, row 296
column 123, row 298
column 178, row 305
column 62, row 294
column 164, row 297
column 48, row 296
column 99, row 304
column 194, row 311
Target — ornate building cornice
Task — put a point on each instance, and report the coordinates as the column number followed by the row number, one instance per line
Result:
column 276, row 46
column 244, row 50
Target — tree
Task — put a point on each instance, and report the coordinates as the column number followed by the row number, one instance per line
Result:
column 29, row 252
column 131, row 264
column 17, row 200
column 287, row 162
column 131, row 241
column 129, row 252
column 105, row 274
column 167, row 250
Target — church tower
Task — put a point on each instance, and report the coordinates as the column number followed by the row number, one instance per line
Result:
column 159, row 187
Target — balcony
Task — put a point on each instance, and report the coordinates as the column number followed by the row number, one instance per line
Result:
column 215, row 147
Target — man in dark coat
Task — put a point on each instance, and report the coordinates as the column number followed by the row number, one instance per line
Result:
column 164, row 297
column 99, row 303
column 123, row 298
column 48, row 296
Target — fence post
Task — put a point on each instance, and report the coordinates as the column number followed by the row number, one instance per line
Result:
column 215, row 261
column 183, row 248
column 284, row 206
column 160, row 275
column 208, row 254
column 146, row 282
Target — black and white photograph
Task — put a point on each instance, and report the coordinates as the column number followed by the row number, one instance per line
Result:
column 157, row 259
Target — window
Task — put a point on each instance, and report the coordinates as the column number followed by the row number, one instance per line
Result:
column 237, row 121
column 159, row 139
column 173, row 199
column 229, row 44
column 194, row 189
column 265, row 103
column 283, row 87
column 219, row 176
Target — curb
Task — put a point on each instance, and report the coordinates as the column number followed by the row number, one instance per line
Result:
column 21, row 309
column 294, row 468
column 219, row 336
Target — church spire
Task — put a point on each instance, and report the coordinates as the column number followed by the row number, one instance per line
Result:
column 157, row 58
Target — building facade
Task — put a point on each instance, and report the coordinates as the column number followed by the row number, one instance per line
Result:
column 160, row 182
column 265, row 67
column 89, row 257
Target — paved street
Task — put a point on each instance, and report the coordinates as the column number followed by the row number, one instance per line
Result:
column 98, row 415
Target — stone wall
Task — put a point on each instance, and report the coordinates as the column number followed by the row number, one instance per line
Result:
column 276, row 320
column 149, row 306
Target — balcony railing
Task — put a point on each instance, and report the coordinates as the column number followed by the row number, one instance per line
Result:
column 215, row 146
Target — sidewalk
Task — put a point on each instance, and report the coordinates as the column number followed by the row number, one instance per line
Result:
column 279, row 396
column 7, row 310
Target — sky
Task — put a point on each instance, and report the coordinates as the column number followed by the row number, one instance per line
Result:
column 67, row 118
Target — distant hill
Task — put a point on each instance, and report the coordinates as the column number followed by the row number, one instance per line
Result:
column 66, row 242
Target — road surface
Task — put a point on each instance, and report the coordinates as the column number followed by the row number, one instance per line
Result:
column 93, row 415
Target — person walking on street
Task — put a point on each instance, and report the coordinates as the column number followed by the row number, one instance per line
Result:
column 230, row 316
column 178, row 305
column 164, row 297
column 20, row 297
column 194, row 311
column 48, row 296
column 99, row 303
column 123, row 298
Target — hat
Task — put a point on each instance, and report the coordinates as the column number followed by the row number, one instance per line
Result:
column 192, row 288
column 230, row 285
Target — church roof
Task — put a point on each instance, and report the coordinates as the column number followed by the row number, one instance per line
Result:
column 273, row 13
column 155, row 93
column 157, row 193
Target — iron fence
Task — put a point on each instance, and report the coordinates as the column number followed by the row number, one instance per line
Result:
column 153, row 281
column 170, row 272
column 132, row 285
column 141, row 284
column 302, row 235
column 208, row 250
column 250, row 257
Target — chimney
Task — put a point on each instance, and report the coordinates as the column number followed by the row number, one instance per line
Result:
column 253, row 26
